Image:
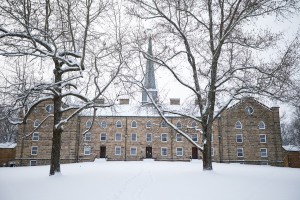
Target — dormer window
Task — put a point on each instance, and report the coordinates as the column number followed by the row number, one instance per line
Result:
column 261, row 125
column 88, row 124
column 119, row 124
column 133, row 124
column 238, row 125
column 149, row 124
column 36, row 123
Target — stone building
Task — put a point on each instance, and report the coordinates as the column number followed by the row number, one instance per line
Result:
column 247, row 132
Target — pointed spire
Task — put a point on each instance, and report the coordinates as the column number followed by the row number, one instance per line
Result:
column 149, row 76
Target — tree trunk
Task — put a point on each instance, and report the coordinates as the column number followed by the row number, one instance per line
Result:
column 55, row 153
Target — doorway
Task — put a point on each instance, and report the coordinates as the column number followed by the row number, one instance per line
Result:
column 194, row 153
column 102, row 151
column 148, row 152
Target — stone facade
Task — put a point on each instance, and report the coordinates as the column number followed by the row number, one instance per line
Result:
column 247, row 132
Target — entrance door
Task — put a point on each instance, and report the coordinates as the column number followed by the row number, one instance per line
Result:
column 102, row 152
column 148, row 152
column 194, row 153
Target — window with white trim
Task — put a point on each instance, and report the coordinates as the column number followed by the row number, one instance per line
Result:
column 238, row 125
column 88, row 124
column 178, row 137
column 35, row 136
column 103, row 124
column 149, row 137
column 117, row 150
column 164, row 151
column 194, row 124
column 87, row 150
column 261, row 125
column 118, row 137
column 249, row 110
column 195, row 137
column 240, row 152
column 179, row 151
column 212, row 151
column 33, row 163
column 164, row 137
column 36, row 123
column 49, row 108
column 133, row 151
column 239, row 138
column 179, row 125
column 34, row 150
column 88, row 136
column 133, row 137
column 119, row 124
column 263, row 152
column 163, row 124
column 133, row 124
column 149, row 124
column 103, row 136
column 262, row 138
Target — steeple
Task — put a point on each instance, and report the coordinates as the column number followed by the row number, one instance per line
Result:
column 149, row 83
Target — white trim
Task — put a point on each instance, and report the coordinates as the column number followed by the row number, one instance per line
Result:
column 118, row 147
column 179, row 122
column 87, row 150
column 116, row 136
column 237, row 152
column 177, row 148
column 33, row 135
column 180, row 136
column 263, row 127
column 133, row 121
column 86, row 136
column 31, row 161
column 238, row 122
column 148, row 123
column 36, row 121
column 51, row 106
column 265, row 138
column 247, row 111
column 161, row 151
column 196, row 137
column 88, row 124
column 236, row 138
column 131, row 148
column 161, row 137
column 212, row 151
column 266, row 152
column 163, row 123
column 34, row 154
column 101, row 124
column 119, row 123
column 105, row 136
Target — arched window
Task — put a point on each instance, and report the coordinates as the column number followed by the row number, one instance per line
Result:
column 261, row 125
column 103, row 124
column 194, row 124
column 178, row 125
column 88, row 124
column 149, row 124
column 88, row 136
column 238, row 125
column 36, row 123
column 163, row 124
column 119, row 124
column 133, row 124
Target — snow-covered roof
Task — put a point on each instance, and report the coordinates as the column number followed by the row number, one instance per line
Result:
column 245, row 99
column 8, row 145
column 291, row 148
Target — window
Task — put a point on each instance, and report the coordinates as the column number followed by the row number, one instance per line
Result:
column 178, row 137
column 133, row 124
column 163, row 124
column 35, row 136
column 88, row 124
column 149, row 137
column 240, row 152
column 164, row 137
column 88, row 136
column 133, row 137
column 179, row 151
column 178, row 125
column 238, row 125
column 133, row 151
column 261, row 125
column 164, row 151
column 49, row 108
column 103, row 124
column 36, row 123
column 194, row 125
column 87, row 151
column 117, row 150
column 118, row 137
column 262, row 138
column 149, row 124
column 33, row 163
column 212, row 151
column 119, row 124
column 263, row 152
column 103, row 137
column 34, row 150
column 249, row 110
column 239, row 138
column 195, row 137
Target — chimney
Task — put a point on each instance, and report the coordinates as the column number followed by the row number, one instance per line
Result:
column 124, row 101
column 174, row 101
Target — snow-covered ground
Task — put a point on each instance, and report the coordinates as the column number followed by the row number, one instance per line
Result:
column 150, row 180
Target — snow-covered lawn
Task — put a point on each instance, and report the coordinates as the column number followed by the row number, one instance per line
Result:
column 150, row 180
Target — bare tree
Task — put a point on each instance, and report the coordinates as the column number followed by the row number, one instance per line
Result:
column 213, row 49
column 65, row 37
